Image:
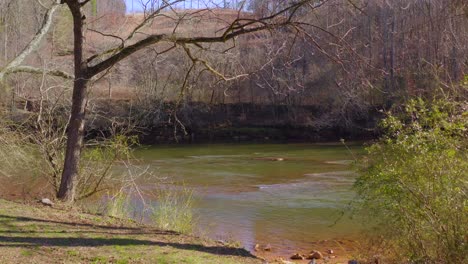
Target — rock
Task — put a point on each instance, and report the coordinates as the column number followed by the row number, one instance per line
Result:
column 330, row 251
column 297, row 256
column 257, row 247
column 267, row 248
column 353, row 262
column 315, row 255
column 286, row 262
column 312, row 262
column 270, row 158
column 47, row 202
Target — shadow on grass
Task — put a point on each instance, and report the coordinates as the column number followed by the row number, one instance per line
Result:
column 106, row 232
column 20, row 239
column 6, row 241
column 7, row 218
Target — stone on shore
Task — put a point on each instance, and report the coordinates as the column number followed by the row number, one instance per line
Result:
column 257, row 247
column 315, row 255
column 285, row 261
column 267, row 248
column 46, row 202
column 297, row 256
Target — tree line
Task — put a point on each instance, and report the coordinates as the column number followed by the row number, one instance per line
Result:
column 346, row 58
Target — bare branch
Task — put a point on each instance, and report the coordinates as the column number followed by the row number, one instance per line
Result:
column 237, row 28
column 151, row 17
column 33, row 70
column 33, row 44
column 209, row 67
column 84, row 2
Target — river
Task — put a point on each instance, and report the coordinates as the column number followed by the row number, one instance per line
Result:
column 285, row 195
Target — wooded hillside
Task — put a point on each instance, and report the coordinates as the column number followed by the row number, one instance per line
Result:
column 350, row 60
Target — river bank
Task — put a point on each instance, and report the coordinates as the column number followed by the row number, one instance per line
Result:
column 168, row 123
column 329, row 251
column 285, row 195
column 35, row 233
column 288, row 196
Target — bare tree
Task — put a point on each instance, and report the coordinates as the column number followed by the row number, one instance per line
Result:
column 15, row 64
column 87, row 68
column 337, row 59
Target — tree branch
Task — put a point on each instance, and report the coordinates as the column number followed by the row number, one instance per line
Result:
column 33, row 70
column 84, row 2
column 33, row 44
column 236, row 28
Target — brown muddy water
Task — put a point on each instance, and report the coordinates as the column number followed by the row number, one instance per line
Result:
column 285, row 195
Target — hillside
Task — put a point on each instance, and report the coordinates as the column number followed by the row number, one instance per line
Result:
column 332, row 75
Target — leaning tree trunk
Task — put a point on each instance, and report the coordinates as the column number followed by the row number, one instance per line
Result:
column 77, row 118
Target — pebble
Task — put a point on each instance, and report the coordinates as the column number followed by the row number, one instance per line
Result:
column 47, row 202
column 297, row 256
column 330, row 251
column 315, row 255
column 267, row 248
column 286, row 262
column 257, row 247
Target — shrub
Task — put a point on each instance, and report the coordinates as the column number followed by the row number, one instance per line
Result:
column 17, row 155
column 414, row 181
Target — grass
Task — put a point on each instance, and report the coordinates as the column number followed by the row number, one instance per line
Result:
column 174, row 210
column 36, row 234
column 16, row 155
column 26, row 253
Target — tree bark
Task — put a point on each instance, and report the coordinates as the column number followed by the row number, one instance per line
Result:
column 75, row 131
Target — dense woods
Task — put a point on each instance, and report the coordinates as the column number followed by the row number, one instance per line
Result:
column 83, row 81
column 329, row 68
column 353, row 59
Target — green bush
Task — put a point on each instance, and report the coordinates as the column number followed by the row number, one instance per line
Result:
column 413, row 182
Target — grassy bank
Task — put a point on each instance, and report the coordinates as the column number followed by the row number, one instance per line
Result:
column 38, row 234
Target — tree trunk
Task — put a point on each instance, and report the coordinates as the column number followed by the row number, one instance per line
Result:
column 75, row 131
column 392, row 53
